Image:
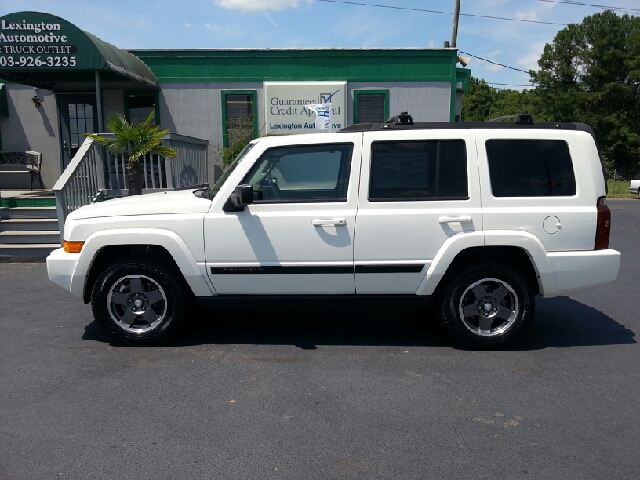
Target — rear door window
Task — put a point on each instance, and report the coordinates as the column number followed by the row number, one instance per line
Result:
column 418, row 170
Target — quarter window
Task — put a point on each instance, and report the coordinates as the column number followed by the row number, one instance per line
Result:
column 302, row 173
column 418, row 170
column 530, row 168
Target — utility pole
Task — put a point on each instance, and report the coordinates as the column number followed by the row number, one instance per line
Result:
column 456, row 18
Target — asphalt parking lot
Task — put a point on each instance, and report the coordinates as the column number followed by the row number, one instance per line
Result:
column 326, row 394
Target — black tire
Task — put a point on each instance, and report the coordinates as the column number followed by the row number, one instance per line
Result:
column 486, row 306
column 138, row 301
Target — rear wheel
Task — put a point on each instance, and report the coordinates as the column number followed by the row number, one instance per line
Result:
column 487, row 306
column 139, row 301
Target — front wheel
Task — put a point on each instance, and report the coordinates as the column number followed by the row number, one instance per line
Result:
column 487, row 306
column 138, row 301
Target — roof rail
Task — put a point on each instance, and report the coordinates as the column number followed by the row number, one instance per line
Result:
column 522, row 118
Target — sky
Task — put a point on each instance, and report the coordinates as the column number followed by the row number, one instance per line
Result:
column 195, row 24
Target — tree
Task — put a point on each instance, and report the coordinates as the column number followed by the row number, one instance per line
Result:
column 478, row 102
column 239, row 133
column 591, row 74
column 483, row 102
column 134, row 140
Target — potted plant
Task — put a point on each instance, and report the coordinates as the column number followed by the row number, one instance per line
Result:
column 134, row 140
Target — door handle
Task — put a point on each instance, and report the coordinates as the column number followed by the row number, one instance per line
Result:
column 460, row 219
column 328, row 222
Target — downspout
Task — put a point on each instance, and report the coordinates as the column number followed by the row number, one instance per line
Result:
column 454, row 85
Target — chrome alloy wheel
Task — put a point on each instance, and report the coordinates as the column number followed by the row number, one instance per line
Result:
column 489, row 307
column 137, row 303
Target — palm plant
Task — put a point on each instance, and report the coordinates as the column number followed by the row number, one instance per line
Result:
column 134, row 140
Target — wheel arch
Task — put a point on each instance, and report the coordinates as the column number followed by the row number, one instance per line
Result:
column 111, row 253
column 104, row 247
column 511, row 255
column 519, row 249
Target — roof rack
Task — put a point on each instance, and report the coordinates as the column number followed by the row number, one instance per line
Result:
column 403, row 119
column 523, row 120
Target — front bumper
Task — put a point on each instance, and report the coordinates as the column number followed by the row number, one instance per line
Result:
column 61, row 268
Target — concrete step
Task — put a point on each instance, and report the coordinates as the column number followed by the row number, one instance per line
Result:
column 33, row 237
column 28, row 224
column 27, row 212
column 7, row 252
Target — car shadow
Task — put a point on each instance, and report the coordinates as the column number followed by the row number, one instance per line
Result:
column 559, row 323
column 563, row 322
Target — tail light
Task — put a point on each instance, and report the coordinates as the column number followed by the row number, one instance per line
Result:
column 603, row 228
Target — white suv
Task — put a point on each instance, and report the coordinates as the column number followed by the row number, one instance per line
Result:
column 479, row 217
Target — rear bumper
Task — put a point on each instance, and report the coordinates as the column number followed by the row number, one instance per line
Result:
column 575, row 271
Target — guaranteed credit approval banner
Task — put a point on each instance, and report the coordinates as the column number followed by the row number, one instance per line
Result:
column 285, row 103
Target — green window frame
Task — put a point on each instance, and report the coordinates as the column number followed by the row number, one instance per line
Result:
column 143, row 93
column 227, row 93
column 359, row 93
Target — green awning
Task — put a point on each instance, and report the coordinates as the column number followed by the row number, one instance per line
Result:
column 46, row 51
column 4, row 107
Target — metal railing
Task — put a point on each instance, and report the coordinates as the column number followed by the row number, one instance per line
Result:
column 94, row 174
column 81, row 181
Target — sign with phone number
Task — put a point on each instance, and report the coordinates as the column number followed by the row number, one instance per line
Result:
column 37, row 61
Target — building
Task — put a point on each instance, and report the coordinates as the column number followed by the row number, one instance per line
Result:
column 60, row 82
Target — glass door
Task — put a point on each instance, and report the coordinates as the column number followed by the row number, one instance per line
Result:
column 77, row 117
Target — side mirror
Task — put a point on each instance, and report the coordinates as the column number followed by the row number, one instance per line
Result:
column 241, row 197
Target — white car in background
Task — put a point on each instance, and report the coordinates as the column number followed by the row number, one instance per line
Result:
column 634, row 187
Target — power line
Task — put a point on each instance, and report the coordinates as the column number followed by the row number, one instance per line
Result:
column 495, row 63
column 424, row 10
column 581, row 4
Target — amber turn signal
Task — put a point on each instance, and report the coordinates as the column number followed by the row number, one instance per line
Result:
column 72, row 247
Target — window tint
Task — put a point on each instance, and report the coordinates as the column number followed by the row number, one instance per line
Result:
column 418, row 170
column 370, row 107
column 141, row 106
column 238, row 106
column 302, row 173
column 240, row 122
column 530, row 168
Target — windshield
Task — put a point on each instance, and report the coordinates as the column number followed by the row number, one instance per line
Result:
column 216, row 188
